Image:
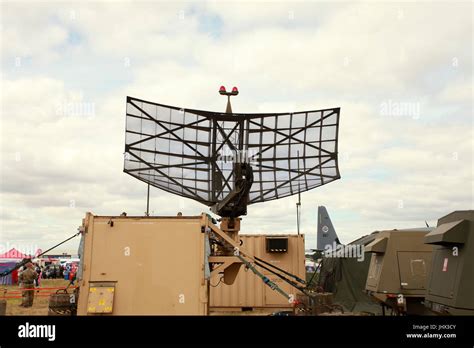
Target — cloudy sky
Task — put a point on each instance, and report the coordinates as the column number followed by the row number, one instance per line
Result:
column 401, row 73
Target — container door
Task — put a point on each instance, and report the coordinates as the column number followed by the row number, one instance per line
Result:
column 445, row 267
column 414, row 267
column 374, row 270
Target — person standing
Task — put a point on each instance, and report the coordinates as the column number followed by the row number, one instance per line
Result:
column 38, row 273
column 27, row 282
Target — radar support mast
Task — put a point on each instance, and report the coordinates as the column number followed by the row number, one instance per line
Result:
column 235, row 203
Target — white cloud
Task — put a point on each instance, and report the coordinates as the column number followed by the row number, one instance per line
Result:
column 457, row 92
column 63, row 110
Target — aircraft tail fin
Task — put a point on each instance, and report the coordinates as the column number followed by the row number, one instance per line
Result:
column 326, row 232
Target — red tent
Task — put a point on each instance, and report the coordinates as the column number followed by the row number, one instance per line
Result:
column 8, row 260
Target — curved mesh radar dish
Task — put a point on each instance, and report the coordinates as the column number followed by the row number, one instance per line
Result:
column 192, row 153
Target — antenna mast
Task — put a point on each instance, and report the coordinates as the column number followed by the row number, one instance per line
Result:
column 148, row 201
column 298, row 204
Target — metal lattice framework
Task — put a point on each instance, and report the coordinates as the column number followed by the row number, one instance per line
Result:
column 191, row 152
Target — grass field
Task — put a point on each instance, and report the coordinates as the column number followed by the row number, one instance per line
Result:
column 40, row 304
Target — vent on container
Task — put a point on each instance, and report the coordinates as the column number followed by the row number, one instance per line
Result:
column 276, row 245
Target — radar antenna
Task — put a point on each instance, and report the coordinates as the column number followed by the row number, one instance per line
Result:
column 229, row 160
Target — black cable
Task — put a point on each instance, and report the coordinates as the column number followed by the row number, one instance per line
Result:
column 292, row 283
column 44, row 252
column 315, row 271
column 298, row 279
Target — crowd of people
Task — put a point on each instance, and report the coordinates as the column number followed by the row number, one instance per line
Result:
column 52, row 272
column 47, row 272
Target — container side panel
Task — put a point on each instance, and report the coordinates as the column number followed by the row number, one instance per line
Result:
column 249, row 290
column 156, row 264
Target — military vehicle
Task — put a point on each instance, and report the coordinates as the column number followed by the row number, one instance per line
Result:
column 451, row 280
column 399, row 268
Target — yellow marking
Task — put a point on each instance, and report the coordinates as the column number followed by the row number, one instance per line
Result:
column 92, row 289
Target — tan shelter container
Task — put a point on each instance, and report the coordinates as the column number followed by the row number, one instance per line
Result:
column 143, row 266
column 249, row 291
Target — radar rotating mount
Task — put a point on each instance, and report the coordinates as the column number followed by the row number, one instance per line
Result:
column 234, row 204
column 229, row 160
